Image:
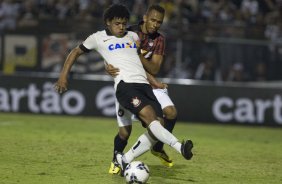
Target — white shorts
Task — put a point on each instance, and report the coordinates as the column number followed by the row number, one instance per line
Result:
column 124, row 116
column 163, row 98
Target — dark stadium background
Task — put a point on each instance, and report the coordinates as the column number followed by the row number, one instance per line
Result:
column 230, row 47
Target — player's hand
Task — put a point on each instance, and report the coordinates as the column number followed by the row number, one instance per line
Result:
column 164, row 86
column 138, row 44
column 111, row 70
column 160, row 85
column 61, row 86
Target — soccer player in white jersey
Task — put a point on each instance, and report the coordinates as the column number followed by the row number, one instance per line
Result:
column 152, row 48
column 119, row 48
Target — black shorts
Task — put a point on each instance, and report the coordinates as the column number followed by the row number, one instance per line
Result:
column 135, row 96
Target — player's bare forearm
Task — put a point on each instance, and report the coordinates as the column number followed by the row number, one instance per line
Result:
column 152, row 66
column 149, row 66
column 62, row 83
column 154, row 82
column 73, row 55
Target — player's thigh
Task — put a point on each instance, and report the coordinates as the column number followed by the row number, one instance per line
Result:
column 131, row 96
column 153, row 109
column 138, row 98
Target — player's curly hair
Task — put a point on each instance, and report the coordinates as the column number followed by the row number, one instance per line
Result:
column 116, row 11
column 156, row 7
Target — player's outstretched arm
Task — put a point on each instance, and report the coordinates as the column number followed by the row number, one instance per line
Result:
column 62, row 84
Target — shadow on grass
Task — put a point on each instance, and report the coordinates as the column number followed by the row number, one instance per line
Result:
column 166, row 175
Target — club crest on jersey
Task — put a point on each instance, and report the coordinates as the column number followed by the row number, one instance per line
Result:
column 136, row 102
column 126, row 45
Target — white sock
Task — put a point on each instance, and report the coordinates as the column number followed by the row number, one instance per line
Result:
column 164, row 135
column 143, row 144
column 177, row 146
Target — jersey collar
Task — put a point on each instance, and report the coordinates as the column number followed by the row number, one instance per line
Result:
column 109, row 33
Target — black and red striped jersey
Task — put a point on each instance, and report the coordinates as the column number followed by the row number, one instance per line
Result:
column 150, row 43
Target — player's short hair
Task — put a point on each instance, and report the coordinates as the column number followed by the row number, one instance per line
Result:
column 116, row 11
column 156, row 7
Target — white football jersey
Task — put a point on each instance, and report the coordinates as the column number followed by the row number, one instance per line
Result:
column 121, row 53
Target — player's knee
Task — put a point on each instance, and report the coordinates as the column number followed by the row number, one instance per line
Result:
column 124, row 133
column 170, row 112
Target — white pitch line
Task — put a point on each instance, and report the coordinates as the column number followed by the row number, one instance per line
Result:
column 8, row 123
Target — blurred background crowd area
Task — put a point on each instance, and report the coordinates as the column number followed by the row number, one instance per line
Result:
column 215, row 40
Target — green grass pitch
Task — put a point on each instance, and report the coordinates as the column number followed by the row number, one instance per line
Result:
column 77, row 150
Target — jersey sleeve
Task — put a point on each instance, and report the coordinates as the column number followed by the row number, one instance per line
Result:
column 160, row 47
column 91, row 42
column 135, row 37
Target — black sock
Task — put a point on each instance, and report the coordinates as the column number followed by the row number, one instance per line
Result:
column 169, row 125
column 119, row 145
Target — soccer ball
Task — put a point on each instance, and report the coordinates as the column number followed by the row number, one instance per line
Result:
column 136, row 172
